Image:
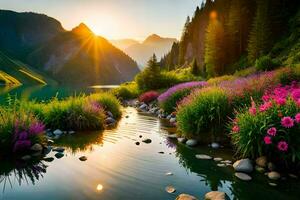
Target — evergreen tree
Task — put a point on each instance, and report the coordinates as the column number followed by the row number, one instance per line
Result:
column 184, row 41
column 195, row 70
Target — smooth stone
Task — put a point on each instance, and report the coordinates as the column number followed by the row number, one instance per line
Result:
column 161, row 152
column 185, row 197
column 243, row 176
column 36, row 147
column 26, row 157
column 59, row 155
column 59, row 149
column 110, row 120
column 169, row 174
column 221, row 165
column 147, row 141
column 181, row 140
column 243, row 165
column 137, row 143
column 273, row 184
column 215, row 145
column 215, row 195
column 273, row 175
column 49, row 141
column 57, row 132
column 293, row 176
column 168, row 117
column 271, row 166
column 218, row 159
column 203, row 157
column 227, row 161
column 172, row 136
column 83, row 158
column 191, row 142
column 47, row 150
column 143, row 107
column 71, row 132
column 49, row 159
column 170, row 189
column 110, row 114
column 259, row 169
column 262, row 161
column 172, row 120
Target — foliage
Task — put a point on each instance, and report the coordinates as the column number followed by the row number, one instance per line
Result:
column 265, row 63
column 126, row 91
column 218, row 80
column 270, row 128
column 169, row 105
column 195, row 70
column 148, row 97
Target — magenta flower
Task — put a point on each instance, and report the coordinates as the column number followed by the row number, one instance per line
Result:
column 23, row 135
column 272, row 131
column 268, row 140
column 252, row 111
column 266, row 98
column 282, row 146
column 236, row 129
column 296, row 94
column 287, row 122
column 280, row 101
column 297, row 118
column 266, row 106
column 36, row 128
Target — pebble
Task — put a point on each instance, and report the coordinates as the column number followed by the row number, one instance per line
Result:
column 181, row 140
column 137, row 143
column 49, row 141
column 36, row 147
column 83, row 158
column 161, row 152
column 71, row 132
column 259, row 169
column 243, row 176
column 49, row 159
column 172, row 136
column 191, row 142
column 261, row 161
column 59, row 155
column 215, row 195
column 140, row 136
column 169, row 174
column 293, row 176
column 26, row 158
column 170, row 189
column 110, row 120
column 221, row 165
column 185, row 197
column 218, row 159
column 147, row 141
column 215, row 145
column 172, row 120
column 57, row 132
column 203, row 157
column 273, row 184
column 273, row 175
column 243, row 165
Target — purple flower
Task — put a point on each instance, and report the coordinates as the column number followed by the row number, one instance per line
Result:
column 23, row 135
column 21, row 145
column 36, row 128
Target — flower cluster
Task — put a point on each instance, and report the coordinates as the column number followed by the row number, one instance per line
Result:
column 149, row 96
column 93, row 107
column 188, row 85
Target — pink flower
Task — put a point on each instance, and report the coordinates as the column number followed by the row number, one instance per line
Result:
column 267, row 140
column 272, row 131
column 265, row 106
column 280, row 101
column 287, row 122
column 236, row 129
column 252, row 111
column 296, row 94
column 297, row 118
column 266, row 98
column 282, row 146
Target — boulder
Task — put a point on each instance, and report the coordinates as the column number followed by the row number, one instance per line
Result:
column 191, row 142
column 243, row 176
column 262, row 161
column 203, row 157
column 215, row 195
column 186, row 197
column 57, row 132
column 36, row 147
column 274, row 175
column 243, row 165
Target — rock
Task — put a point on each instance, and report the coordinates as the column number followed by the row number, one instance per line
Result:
column 71, row 132
column 172, row 120
column 49, row 141
column 172, row 136
column 109, row 114
column 59, row 149
column 168, row 117
column 36, row 147
column 227, row 161
column 181, row 140
column 140, row 136
column 57, row 132
column 49, row 159
column 127, row 116
column 26, row 158
column 261, row 161
column 170, row 189
column 243, row 176
column 147, row 141
column 271, row 166
column 191, row 142
column 215, row 145
column 83, row 158
column 221, row 165
column 59, row 155
column 243, row 165
column 110, row 120
column 293, row 176
column 203, row 157
column 161, row 152
column 169, row 174
column 218, row 159
column 137, row 143
column 215, row 195
column 143, row 107
column 186, row 197
column 273, row 184
column 259, row 169
column 274, row 175
column 37, row 154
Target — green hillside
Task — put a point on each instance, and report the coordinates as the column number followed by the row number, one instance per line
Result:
column 13, row 71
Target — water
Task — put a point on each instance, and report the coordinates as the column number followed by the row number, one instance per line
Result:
column 119, row 169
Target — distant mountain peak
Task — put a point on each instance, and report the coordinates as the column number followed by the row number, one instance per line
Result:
column 82, row 29
column 153, row 38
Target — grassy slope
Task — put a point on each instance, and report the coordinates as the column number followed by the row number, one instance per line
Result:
column 22, row 72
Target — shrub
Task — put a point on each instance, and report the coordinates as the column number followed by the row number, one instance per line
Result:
column 126, row 91
column 170, row 104
column 148, row 97
column 202, row 111
column 218, row 80
column 271, row 128
column 265, row 63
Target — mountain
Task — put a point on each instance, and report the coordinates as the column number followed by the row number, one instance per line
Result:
column 124, row 43
column 141, row 52
column 76, row 57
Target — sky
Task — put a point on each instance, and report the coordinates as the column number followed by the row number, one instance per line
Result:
column 114, row 19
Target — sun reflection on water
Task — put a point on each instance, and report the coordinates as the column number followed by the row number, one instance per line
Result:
column 99, row 187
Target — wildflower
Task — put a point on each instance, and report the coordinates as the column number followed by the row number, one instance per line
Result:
column 266, row 98
column 280, row 101
column 282, row 146
column 36, row 128
column 296, row 95
column 23, row 135
column 272, row 131
column 21, row 145
column 297, row 118
column 265, row 106
column 267, row 140
column 252, row 110
column 236, row 129
column 287, row 122
column 148, row 96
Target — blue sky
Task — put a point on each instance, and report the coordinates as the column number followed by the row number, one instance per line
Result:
column 114, row 19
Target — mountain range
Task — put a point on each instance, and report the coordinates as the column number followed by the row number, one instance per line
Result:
column 43, row 48
column 142, row 51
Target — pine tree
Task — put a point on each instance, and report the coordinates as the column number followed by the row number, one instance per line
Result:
column 195, row 70
column 184, row 41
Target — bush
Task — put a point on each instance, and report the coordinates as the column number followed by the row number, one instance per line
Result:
column 126, row 91
column 148, row 97
column 218, row 80
column 265, row 63
column 271, row 128
column 170, row 104
column 203, row 111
